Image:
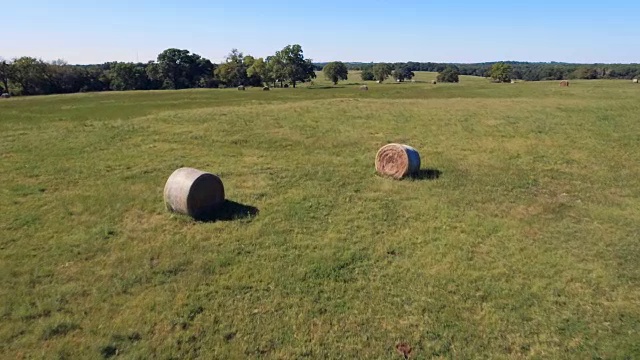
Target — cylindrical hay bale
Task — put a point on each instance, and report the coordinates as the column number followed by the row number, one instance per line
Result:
column 434, row 82
column 397, row 160
column 635, row 81
column 193, row 192
column 266, row 88
column 364, row 87
column 564, row 83
column 241, row 87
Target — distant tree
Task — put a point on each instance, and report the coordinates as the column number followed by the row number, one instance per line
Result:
column 233, row 72
column 335, row 71
column 180, row 69
column 403, row 73
column 450, row 74
column 5, row 74
column 128, row 76
column 381, row 72
column 296, row 67
column 586, row 72
column 30, row 74
column 257, row 72
column 367, row 74
column 501, row 72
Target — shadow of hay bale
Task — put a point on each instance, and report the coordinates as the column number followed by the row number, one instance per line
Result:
column 229, row 211
column 426, row 174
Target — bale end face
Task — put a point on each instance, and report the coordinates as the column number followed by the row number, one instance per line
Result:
column 193, row 192
column 397, row 161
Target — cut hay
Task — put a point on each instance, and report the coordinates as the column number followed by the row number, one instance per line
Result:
column 564, row 83
column 364, row 87
column 397, row 161
column 635, row 81
column 193, row 192
column 241, row 88
column 266, row 88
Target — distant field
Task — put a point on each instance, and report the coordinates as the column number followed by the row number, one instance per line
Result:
column 526, row 246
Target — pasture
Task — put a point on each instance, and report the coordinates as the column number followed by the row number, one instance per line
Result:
column 520, row 239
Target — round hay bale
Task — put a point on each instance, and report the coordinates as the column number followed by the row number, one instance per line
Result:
column 434, row 82
column 377, row 81
column 5, row 95
column 635, row 81
column 364, row 87
column 286, row 86
column 193, row 192
column 241, row 88
column 266, row 88
column 397, row 161
column 564, row 83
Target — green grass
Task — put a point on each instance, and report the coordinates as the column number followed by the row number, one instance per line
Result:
column 526, row 246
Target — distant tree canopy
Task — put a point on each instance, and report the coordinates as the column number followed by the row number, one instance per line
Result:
column 367, row 74
column 501, row 72
column 381, row 72
column 402, row 73
column 179, row 69
column 335, row 71
column 450, row 74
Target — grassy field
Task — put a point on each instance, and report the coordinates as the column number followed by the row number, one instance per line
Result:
column 525, row 246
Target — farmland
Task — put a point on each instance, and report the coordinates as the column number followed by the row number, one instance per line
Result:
column 520, row 239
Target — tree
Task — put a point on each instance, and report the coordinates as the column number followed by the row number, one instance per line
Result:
column 5, row 74
column 296, row 67
column 501, row 72
column 30, row 74
column 128, row 76
column 258, row 73
column 403, row 73
column 450, row 74
column 381, row 72
column 179, row 69
column 367, row 74
column 233, row 72
column 335, row 71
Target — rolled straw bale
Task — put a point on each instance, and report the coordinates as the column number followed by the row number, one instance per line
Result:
column 434, row 82
column 364, row 87
column 193, row 192
column 635, row 81
column 241, row 87
column 266, row 88
column 397, row 160
column 564, row 83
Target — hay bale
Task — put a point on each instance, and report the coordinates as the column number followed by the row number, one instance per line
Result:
column 635, row 81
column 5, row 95
column 266, row 88
column 193, row 192
column 364, row 87
column 286, row 86
column 377, row 81
column 241, row 88
column 397, row 161
column 513, row 81
column 564, row 83
column 434, row 82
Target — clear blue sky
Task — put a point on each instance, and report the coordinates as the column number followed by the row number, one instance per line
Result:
column 403, row 30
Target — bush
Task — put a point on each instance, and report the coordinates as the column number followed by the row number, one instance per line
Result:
column 367, row 75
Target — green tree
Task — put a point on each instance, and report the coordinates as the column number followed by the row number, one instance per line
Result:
column 30, row 74
column 233, row 72
column 296, row 67
column 381, row 72
column 128, row 76
column 450, row 74
column 403, row 73
column 367, row 74
column 501, row 72
column 258, row 73
column 179, row 69
column 5, row 74
column 335, row 71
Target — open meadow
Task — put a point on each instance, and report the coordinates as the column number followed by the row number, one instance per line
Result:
column 519, row 239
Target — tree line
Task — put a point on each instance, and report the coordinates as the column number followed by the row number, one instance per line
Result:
column 173, row 69
column 520, row 70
